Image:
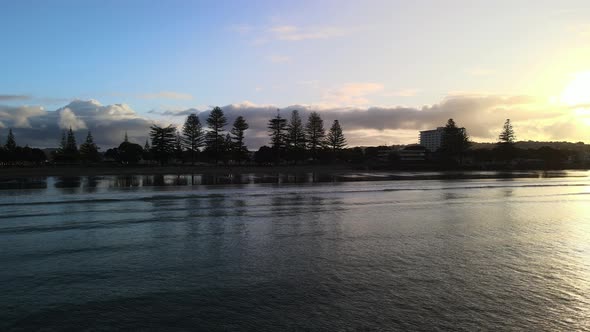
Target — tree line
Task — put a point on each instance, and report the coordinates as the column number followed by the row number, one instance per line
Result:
column 291, row 141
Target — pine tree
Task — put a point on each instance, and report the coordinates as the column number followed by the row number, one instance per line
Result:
column 10, row 141
column 335, row 138
column 214, row 138
column 295, row 137
column 89, row 150
column 315, row 133
column 505, row 147
column 454, row 142
column 126, row 139
column 277, row 129
column 163, row 140
column 193, row 135
column 240, row 150
column 507, row 135
column 71, row 152
column 178, row 147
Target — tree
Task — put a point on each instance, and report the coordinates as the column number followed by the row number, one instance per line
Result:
column 505, row 146
column 507, row 135
column 214, row 138
column 193, row 135
column 240, row 150
column 147, row 151
column 163, row 139
column 10, row 141
column 277, row 128
column 71, row 152
column 178, row 147
column 315, row 133
column 454, row 141
column 335, row 138
column 89, row 150
column 129, row 153
column 295, row 137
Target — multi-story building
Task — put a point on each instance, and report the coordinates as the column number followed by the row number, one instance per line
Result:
column 431, row 139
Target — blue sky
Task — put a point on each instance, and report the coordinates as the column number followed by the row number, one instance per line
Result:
column 170, row 56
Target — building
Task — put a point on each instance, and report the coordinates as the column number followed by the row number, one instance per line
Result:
column 413, row 153
column 432, row 139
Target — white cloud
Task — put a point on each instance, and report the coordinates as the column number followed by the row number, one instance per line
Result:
column 67, row 119
column 351, row 94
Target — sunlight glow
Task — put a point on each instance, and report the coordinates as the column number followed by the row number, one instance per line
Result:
column 577, row 92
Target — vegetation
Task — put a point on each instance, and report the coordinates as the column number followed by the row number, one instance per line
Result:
column 214, row 138
column 454, row 142
column 335, row 139
column 240, row 151
column 277, row 130
column 315, row 134
column 293, row 141
column 163, row 142
column 193, row 135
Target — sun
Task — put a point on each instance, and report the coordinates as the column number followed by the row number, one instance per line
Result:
column 577, row 92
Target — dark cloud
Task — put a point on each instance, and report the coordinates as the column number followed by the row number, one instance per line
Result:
column 483, row 117
column 14, row 97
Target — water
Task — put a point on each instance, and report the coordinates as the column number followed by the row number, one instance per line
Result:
column 464, row 254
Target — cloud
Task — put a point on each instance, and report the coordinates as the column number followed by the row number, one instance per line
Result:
column 482, row 116
column 279, row 58
column 37, row 127
column 14, row 97
column 19, row 116
column 67, row 119
column 293, row 33
column 351, row 94
column 166, row 95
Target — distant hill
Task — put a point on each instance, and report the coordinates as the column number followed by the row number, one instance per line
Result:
column 578, row 147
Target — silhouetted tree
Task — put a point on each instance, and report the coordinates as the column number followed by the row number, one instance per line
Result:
column 89, row 150
column 129, row 153
column 178, row 147
column 10, row 141
column 193, row 135
column 295, row 137
column 505, row 147
column 507, row 135
column 335, row 138
column 277, row 128
column 315, row 133
column 214, row 138
column 240, row 150
column 147, row 151
column 163, row 139
column 454, row 142
column 68, row 150
column 264, row 155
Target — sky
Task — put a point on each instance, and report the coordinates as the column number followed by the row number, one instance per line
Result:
column 384, row 69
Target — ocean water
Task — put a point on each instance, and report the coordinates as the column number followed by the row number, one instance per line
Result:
column 101, row 253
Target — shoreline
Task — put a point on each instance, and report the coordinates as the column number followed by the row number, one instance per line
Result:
column 76, row 170
column 336, row 172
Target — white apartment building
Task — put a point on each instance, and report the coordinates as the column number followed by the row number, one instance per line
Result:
column 431, row 139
